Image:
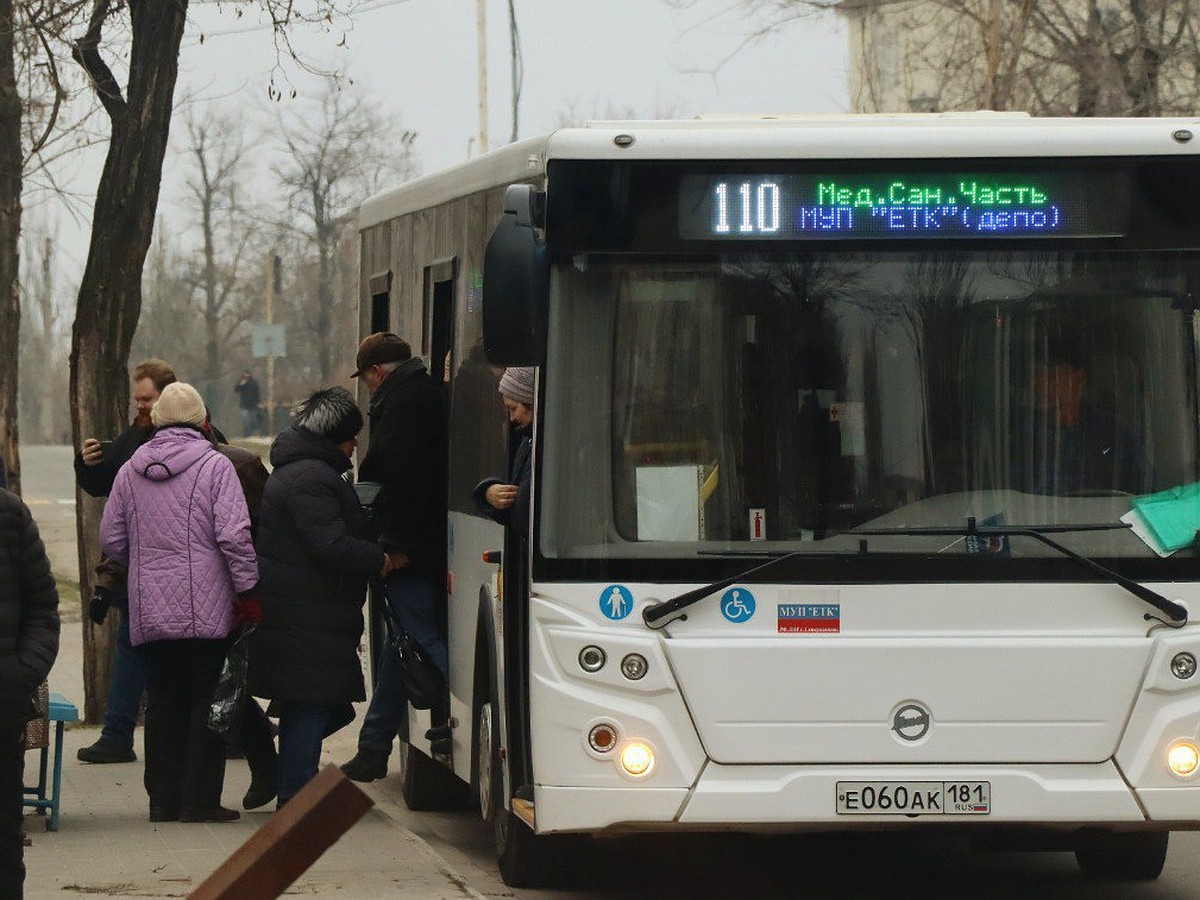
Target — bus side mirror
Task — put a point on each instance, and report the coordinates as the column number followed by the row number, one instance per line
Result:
column 516, row 284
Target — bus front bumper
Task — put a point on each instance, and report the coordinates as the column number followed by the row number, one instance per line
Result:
column 770, row 798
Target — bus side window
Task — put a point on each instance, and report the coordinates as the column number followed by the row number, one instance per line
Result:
column 380, row 286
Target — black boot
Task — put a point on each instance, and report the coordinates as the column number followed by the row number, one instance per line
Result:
column 104, row 752
column 369, row 764
column 262, row 791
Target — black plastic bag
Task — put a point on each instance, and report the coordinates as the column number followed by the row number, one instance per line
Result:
column 230, row 695
column 422, row 679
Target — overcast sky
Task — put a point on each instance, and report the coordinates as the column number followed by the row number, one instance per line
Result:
column 417, row 59
column 421, row 57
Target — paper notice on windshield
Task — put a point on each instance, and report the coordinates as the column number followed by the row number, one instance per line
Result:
column 668, row 503
column 1139, row 527
column 851, row 418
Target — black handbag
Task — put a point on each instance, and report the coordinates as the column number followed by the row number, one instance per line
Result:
column 422, row 679
column 230, row 695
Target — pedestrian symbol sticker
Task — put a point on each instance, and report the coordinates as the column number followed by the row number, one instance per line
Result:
column 737, row 605
column 616, row 602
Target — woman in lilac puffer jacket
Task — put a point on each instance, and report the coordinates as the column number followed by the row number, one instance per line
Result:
column 177, row 518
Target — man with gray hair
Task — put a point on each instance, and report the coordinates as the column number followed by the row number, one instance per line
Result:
column 406, row 454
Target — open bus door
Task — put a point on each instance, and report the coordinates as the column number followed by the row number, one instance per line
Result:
column 515, row 300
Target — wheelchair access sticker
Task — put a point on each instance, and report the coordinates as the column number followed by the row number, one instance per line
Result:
column 616, row 602
column 737, row 605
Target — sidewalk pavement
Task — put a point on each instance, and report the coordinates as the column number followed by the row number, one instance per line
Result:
column 105, row 845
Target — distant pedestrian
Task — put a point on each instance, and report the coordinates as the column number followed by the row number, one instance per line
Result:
column 407, row 455
column 249, row 399
column 96, row 467
column 177, row 517
column 28, row 645
column 316, row 555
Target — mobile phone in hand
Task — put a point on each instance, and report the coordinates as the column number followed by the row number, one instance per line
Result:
column 105, row 448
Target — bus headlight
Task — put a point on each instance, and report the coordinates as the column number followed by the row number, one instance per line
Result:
column 592, row 658
column 637, row 759
column 1183, row 758
column 1183, row 666
column 634, row 666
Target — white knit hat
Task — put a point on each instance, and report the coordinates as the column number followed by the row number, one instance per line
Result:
column 178, row 404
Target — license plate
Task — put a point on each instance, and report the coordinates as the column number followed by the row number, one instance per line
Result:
column 914, row 798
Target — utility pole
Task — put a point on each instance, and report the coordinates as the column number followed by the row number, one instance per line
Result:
column 48, row 361
column 481, row 34
column 274, row 283
column 518, row 74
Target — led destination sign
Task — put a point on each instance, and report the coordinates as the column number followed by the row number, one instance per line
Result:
column 903, row 206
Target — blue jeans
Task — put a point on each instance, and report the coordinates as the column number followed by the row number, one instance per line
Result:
column 413, row 601
column 302, row 727
column 249, row 422
column 126, row 688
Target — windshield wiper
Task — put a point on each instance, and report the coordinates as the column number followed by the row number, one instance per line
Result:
column 660, row 614
column 1176, row 615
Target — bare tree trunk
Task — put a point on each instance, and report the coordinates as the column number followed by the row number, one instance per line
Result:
column 10, row 248
column 110, row 294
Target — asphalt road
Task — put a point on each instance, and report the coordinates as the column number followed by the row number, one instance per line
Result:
column 656, row 866
column 48, row 486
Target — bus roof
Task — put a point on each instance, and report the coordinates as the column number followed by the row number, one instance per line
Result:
column 849, row 136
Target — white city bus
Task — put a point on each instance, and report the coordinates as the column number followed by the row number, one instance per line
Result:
column 865, row 482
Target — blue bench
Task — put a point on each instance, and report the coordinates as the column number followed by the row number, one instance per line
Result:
column 62, row 711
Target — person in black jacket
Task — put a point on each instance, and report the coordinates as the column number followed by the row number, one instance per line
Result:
column 315, row 556
column 407, row 456
column 96, row 468
column 249, row 398
column 28, row 645
column 508, row 502
column 253, row 738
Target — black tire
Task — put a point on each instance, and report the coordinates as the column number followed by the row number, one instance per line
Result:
column 427, row 785
column 525, row 859
column 528, row 860
column 1132, row 856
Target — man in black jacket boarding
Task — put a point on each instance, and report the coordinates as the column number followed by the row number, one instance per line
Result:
column 406, row 454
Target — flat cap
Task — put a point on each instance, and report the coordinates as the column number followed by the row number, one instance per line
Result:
column 379, row 348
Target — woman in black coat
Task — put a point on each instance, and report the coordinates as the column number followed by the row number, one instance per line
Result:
column 315, row 557
column 28, row 646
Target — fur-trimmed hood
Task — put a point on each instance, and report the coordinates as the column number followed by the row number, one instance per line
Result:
column 330, row 413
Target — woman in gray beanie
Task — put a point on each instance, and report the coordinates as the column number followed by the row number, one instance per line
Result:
column 508, row 503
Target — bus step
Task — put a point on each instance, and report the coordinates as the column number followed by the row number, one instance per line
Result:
column 523, row 810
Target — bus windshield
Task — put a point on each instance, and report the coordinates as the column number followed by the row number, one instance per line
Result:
column 746, row 402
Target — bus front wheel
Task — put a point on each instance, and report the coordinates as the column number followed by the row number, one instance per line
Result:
column 1133, row 856
column 525, row 859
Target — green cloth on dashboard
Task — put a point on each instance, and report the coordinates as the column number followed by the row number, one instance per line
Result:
column 1172, row 515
